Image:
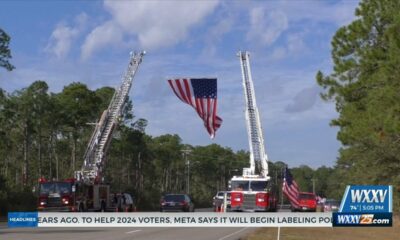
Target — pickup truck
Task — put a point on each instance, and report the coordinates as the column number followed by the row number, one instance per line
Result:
column 307, row 202
column 218, row 200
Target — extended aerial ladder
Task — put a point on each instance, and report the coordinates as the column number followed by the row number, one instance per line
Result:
column 258, row 157
column 95, row 154
column 253, row 191
column 88, row 191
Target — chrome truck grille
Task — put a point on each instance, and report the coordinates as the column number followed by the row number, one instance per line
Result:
column 54, row 202
column 249, row 201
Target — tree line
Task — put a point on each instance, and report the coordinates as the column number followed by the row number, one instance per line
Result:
column 45, row 134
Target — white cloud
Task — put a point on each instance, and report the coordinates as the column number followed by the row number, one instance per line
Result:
column 63, row 36
column 266, row 26
column 304, row 100
column 155, row 24
column 279, row 53
column 295, row 43
column 339, row 13
column 344, row 12
column 215, row 35
column 273, row 23
column 103, row 35
column 294, row 46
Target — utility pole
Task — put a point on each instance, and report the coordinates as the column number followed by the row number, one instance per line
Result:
column 188, row 175
column 187, row 162
column 313, row 184
column 56, row 165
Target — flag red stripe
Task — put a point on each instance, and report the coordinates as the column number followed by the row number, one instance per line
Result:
column 293, row 199
column 185, row 81
column 214, row 114
column 294, row 192
column 198, row 107
column 208, row 116
column 178, row 84
column 290, row 192
column 174, row 89
column 202, row 107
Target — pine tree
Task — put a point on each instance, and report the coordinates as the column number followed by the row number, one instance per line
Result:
column 5, row 53
column 365, row 85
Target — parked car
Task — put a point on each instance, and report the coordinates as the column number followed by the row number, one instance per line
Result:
column 331, row 205
column 123, row 202
column 176, row 202
column 307, row 202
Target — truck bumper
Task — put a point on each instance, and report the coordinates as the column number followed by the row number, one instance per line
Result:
column 306, row 209
column 240, row 208
column 56, row 209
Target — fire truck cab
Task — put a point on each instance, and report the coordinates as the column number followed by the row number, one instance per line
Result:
column 69, row 196
column 252, row 194
column 58, row 196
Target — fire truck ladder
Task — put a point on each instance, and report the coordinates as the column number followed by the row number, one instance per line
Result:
column 258, row 157
column 95, row 155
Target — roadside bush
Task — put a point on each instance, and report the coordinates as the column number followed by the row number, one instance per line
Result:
column 21, row 201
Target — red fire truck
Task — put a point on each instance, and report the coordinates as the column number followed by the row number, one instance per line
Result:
column 253, row 194
column 70, row 195
column 254, row 190
column 87, row 191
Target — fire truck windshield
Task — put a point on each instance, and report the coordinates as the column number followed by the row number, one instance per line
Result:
column 258, row 185
column 240, row 185
column 55, row 187
column 249, row 185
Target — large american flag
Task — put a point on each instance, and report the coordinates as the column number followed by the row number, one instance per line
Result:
column 201, row 94
column 291, row 189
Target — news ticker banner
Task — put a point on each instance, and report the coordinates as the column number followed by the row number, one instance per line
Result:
column 154, row 219
column 365, row 206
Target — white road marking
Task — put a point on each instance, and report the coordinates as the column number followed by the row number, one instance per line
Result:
column 134, row 231
column 232, row 233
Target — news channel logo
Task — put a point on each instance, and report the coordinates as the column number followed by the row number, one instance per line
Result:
column 365, row 206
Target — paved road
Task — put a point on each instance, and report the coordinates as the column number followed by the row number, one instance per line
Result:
column 124, row 233
column 216, row 233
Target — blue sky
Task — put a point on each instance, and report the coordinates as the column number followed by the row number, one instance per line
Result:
column 89, row 41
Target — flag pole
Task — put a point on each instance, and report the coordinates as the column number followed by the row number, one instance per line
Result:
column 283, row 175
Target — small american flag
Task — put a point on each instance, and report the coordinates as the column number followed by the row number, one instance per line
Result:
column 201, row 94
column 291, row 189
